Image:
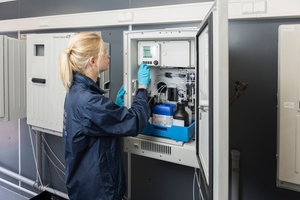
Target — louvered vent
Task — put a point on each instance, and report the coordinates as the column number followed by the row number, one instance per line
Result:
column 157, row 148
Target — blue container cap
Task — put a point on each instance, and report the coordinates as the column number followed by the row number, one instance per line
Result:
column 164, row 109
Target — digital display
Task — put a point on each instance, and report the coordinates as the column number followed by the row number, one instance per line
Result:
column 149, row 51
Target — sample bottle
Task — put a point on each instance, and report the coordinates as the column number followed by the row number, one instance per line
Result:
column 162, row 114
column 180, row 116
column 188, row 110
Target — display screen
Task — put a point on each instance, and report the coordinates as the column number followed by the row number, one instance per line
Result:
column 149, row 51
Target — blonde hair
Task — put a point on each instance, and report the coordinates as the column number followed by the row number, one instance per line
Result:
column 75, row 58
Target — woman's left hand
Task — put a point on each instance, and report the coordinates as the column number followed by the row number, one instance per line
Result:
column 120, row 97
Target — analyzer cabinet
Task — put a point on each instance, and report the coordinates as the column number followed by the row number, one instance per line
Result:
column 170, row 55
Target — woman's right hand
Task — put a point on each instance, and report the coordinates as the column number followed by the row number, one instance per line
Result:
column 144, row 75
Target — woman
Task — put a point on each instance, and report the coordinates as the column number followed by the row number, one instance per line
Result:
column 93, row 123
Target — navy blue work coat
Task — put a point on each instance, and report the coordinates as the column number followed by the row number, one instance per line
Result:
column 93, row 125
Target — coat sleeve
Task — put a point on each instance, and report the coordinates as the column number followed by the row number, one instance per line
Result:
column 102, row 117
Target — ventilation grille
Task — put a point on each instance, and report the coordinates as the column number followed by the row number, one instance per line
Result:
column 157, row 148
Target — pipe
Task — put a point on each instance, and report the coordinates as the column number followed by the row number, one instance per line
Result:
column 38, row 157
column 235, row 167
column 129, row 176
column 32, row 183
column 18, row 187
column 17, row 176
column 19, row 142
column 56, row 192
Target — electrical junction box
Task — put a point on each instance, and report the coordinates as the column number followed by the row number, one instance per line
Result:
column 12, row 78
column 166, row 53
column 45, row 91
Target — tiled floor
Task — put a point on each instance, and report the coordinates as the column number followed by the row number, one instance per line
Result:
column 6, row 194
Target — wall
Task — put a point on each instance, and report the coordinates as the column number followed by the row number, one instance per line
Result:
column 253, row 117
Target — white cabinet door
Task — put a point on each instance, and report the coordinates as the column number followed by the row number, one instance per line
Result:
column 2, row 102
column 12, row 78
column 45, row 92
column 289, row 107
column 212, row 102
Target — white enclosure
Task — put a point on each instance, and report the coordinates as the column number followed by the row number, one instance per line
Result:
column 45, row 92
column 288, row 162
column 12, row 78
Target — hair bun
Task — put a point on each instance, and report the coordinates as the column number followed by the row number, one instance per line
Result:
column 68, row 51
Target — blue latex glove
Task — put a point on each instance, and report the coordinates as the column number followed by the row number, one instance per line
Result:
column 120, row 97
column 144, row 74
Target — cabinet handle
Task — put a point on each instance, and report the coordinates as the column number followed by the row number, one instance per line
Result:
column 38, row 80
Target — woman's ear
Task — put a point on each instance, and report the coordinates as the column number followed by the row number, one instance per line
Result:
column 92, row 61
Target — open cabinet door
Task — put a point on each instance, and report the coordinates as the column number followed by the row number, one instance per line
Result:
column 212, row 102
column 12, row 79
column 2, row 77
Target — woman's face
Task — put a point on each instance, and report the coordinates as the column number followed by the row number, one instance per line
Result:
column 103, row 61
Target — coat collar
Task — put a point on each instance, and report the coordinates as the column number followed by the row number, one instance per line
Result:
column 86, row 82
